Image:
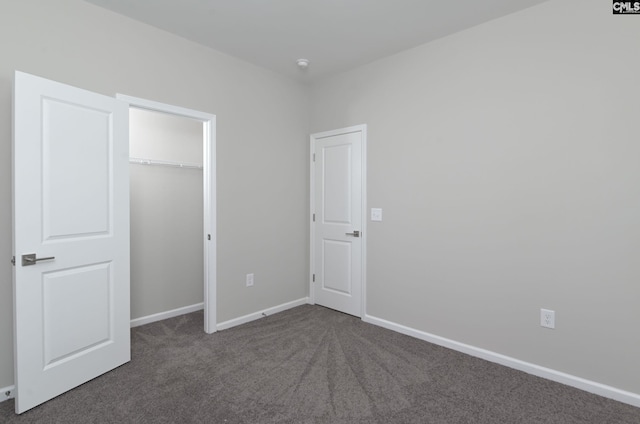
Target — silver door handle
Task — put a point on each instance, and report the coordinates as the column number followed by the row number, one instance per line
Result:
column 30, row 259
column 356, row 233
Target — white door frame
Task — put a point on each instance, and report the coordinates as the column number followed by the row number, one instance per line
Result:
column 316, row 136
column 209, row 195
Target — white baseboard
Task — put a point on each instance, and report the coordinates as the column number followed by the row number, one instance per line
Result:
column 167, row 314
column 7, row 393
column 550, row 374
column 260, row 314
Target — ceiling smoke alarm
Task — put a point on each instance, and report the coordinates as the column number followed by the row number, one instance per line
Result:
column 302, row 63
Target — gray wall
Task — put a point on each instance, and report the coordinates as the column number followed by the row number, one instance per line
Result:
column 166, row 214
column 505, row 158
column 262, row 124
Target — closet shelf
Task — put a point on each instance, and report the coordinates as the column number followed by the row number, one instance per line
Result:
column 140, row 161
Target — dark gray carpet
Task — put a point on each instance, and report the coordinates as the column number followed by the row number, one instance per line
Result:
column 312, row 365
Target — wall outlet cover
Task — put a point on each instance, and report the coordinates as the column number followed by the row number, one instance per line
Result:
column 547, row 318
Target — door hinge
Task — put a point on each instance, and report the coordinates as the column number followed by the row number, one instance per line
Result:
column 314, row 217
column 314, row 278
column 314, row 157
column 13, row 260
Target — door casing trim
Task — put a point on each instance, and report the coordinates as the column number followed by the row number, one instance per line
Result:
column 209, row 195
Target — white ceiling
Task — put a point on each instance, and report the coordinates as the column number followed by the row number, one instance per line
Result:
column 335, row 35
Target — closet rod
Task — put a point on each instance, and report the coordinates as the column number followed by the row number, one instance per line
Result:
column 140, row 161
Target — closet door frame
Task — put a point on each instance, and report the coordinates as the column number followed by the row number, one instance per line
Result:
column 209, row 194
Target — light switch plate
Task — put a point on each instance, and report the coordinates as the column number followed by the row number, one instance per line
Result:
column 376, row 214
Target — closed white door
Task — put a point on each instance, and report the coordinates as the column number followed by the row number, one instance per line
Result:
column 71, row 237
column 338, row 223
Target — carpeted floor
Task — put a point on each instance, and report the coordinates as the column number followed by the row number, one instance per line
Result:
column 312, row 365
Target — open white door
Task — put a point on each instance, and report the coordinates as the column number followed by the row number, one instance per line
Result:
column 337, row 228
column 70, row 237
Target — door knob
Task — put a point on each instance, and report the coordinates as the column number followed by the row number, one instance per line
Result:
column 356, row 233
column 30, row 259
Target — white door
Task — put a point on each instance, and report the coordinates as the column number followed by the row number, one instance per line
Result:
column 71, row 214
column 337, row 233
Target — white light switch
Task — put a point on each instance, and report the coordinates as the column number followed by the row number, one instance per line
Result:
column 376, row 214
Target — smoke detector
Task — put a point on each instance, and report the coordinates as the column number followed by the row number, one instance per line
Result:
column 302, row 63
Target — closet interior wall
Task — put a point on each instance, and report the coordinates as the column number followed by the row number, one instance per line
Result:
column 167, row 268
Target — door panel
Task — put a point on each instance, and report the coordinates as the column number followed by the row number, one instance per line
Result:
column 76, row 194
column 336, row 188
column 336, row 266
column 71, row 207
column 338, row 204
column 67, row 295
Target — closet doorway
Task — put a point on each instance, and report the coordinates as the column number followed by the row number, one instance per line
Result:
column 173, row 204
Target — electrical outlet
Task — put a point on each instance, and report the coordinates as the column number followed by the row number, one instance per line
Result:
column 548, row 318
column 249, row 280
